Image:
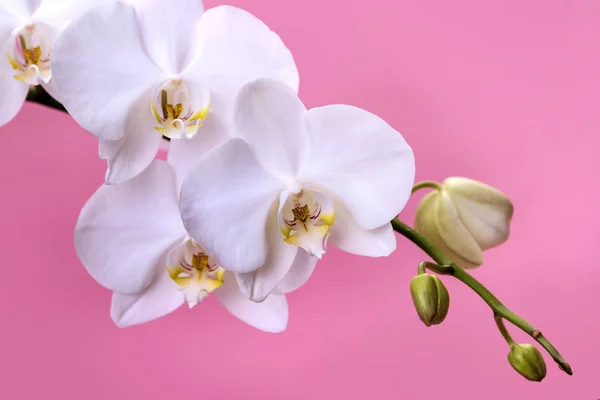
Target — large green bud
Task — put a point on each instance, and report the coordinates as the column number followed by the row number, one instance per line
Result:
column 527, row 361
column 430, row 297
column 462, row 218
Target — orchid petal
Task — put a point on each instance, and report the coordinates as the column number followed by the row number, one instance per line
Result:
column 225, row 201
column 234, row 46
column 108, row 148
column 136, row 150
column 22, row 8
column 185, row 153
column 168, row 30
column 270, row 316
column 101, row 69
column 59, row 13
column 257, row 285
column 12, row 91
column 299, row 273
column 160, row 298
column 361, row 160
column 346, row 235
column 124, row 230
column 8, row 21
column 269, row 116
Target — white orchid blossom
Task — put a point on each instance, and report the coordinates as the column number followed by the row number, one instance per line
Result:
column 292, row 180
column 131, row 239
column 28, row 29
column 131, row 73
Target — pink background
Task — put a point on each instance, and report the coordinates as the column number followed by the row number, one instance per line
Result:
column 506, row 92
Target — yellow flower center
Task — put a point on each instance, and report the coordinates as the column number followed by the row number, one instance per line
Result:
column 304, row 220
column 29, row 55
column 194, row 272
column 179, row 108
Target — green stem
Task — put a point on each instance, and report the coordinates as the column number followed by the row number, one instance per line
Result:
column 37, row 94
column 445, row 266
column 426, row 184
column 500, row 323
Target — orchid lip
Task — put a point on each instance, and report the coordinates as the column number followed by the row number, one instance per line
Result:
column 194, row 271
column 304, row 219
column 179, row 107
column 29, row 53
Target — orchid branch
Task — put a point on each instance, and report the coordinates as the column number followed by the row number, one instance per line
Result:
column 37, row 94
column 445, row 266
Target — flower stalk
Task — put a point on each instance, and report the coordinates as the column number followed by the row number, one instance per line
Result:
column 502, row 328
column 444, row 266
column 426, row 184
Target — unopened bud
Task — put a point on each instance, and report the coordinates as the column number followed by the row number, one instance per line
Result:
column 463, row 218
column 527, row 361
column 430, row 298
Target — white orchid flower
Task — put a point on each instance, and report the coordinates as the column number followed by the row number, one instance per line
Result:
column 131, row 239
column 28, row 29
column 131, row 73
column 293, row 180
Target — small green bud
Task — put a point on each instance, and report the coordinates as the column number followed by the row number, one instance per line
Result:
column 527, row 361
column 430, row 298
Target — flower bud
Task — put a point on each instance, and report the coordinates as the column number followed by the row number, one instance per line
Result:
column 464, row 218
column 527, row 361
column 430, row 298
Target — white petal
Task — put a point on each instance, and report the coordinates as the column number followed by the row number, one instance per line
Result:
column 225, row 201
column 302, row 268
column 101, row 70
column 23, row 8
column 159, row 299
column 137, row 148
column 185, row 153
column 108, row 148
column 361, row 160
column 257, row 285
column 270, row 117
column 59, row 13
column 8, row 21
column 234, row 46
column 12, row 91
column 168, row 30
column 271, row 315
column 346, row 235
column 124, row 230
